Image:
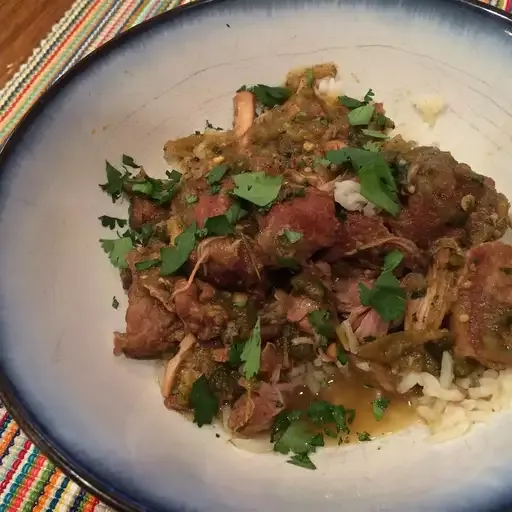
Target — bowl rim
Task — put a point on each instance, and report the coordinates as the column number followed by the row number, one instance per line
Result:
column 9, row 396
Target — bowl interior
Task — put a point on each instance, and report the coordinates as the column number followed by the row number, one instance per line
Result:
column 57, row 284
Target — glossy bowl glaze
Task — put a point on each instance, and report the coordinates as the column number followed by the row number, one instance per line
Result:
column 101, row 418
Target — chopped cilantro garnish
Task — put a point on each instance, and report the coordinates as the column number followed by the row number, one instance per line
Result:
column 379, row 407
column 309, row 78
column 292, row 236
column 130, row 162
column 110, row 222
column 297, row 438
column 320, row 321
column 361, row 116
column 115, row 303
column 160, row 191
column 216, row 174
column 375, row 134
column 218, row 225
column 251, row 353
column 269, row 96
column 392, row 260
column 341, row 355
column 349, row 102
column 235, row 213
column 203, row 402
column 257, row 187
column 235, row 353
column 290, row 263
column 302, row 460
column 374, row 188
column 371, row 146
column 386, row 296
column 323, row 413
column 191, row 199
column 173, row 258
column 147, row 264
column 117, row 250
column 369, row 96
column 214, row 189
column 114, row 185
column 363, row 436
column 323, row 161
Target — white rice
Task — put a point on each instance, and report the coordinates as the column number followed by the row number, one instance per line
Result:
column 450, row 407
column 347, row 193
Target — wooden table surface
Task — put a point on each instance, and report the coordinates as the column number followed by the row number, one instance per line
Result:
column 24, row 23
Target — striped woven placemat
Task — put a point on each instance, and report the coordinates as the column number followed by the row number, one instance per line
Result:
column 29, row 481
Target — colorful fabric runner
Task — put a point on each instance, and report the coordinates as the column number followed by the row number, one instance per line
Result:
column 29, row 481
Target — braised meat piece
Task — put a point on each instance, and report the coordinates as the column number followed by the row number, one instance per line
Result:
column 447, row 199
column 311, row 216
column 482, row 316
column 144, row 211
column 255, row 411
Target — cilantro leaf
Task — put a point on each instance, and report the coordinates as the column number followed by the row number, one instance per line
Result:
column 203, row 401
column 235, row 353
column 323, row 413
column 147, row 264
column 191, row 199
column 216, row 174
column 349, row 102
column 297, row 438
column 369, row 96
column 130, row 162
column 379, row 187
column 320, row 321
column 257, row 187
column 117, row 250
column 160, row 191
column 214, row 189
column 251, row 354
column 379, row 407
column 114, row 185
column 375, row 134
column 364, row 436
column 218, row 225
column 309, row 78
column 357, row 156
column 173, row 258
column 292, row 236
column 110, row 222
column 392, row 260
column 302, row 460
column 269, row 96
column 374, row 147
column 115, row 303
column 361, row 116
column 341, row 355
column 386, row 297
column 235, row 213
column 320, row 412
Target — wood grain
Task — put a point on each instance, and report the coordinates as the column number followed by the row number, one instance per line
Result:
column 24, row 23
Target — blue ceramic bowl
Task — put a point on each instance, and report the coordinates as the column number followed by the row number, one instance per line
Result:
column 100, row 417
